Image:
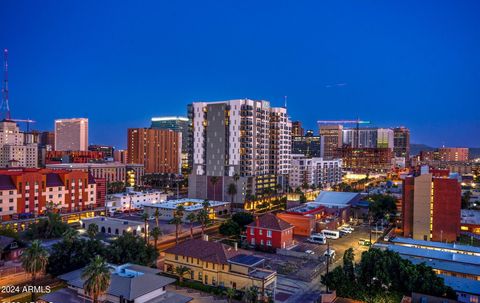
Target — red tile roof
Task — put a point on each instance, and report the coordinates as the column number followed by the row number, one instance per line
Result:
column 270, row 221
column 206, row 251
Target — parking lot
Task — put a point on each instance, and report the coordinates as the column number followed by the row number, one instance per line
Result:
column 339, row 245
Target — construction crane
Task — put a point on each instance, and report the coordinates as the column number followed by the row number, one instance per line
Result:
column 27, row 121
column 357, row 122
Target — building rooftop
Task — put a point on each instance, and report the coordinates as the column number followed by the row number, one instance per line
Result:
column 450, row 266
column 112, row 222
column 450, row 246
column 189, row 204
column 434, row 254
column 206, row 251
column 248, row 260
column 470, row 216
column 65, row 295
column 464, row 285
column 270, row 221
column 306, row 209
column 129, row 281
column 334, row 199
column 85, row 165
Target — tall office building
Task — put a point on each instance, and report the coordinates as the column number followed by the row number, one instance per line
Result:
column 297, row 129
column 431, row 206
column 331, row 137
column 47, row 139
column 307, row 145
column 178, row 124
column 401, row 142
column 244, row 138
column 14, row 152
column 71, row 134
column 368, row 137
column 157, row 149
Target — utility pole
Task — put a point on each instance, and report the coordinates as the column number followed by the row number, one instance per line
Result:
column 328, row 262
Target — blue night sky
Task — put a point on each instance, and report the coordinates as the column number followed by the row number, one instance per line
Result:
column 411, row 63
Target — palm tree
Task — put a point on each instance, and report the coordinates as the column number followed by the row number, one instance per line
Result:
column 191, row 219
column 145, row 227
column 181, row 271
column 69, row 235
column 156, row 215
column 203, row 218
column 232, row 190
column 34, row 260
column 155, row 233
column 92, row 230
column 251, row 294
column 96, row 278
column 178, row 219
column 214, row 180
column 230, row 293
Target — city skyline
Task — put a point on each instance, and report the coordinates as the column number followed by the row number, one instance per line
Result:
column 332, row 60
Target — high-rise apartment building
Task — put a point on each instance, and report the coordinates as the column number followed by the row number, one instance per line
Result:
column 243, row 142
column 401, row 142
column 297, row 129
column 71, row 134
column 331, row 137
column 14, row 152
column 431, row 207
column 315, row 171
column 178, row 124
column 157, row 149
column 453, row 154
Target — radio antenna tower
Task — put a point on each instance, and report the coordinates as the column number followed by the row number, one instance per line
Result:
column 5, row 108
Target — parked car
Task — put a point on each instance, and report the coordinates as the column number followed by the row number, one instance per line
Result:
column 330, row 253
column 364, row 242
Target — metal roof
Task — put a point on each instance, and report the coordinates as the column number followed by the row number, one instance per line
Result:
column 462, row 285
column 433, row 244
column 446, row 265
column 142, row 282
column 434, row 254
column 336, row 199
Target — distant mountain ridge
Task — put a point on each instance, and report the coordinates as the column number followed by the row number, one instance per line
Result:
column 474, row 152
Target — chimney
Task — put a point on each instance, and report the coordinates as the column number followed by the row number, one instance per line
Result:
column 257, row 222
column 235, row 246
column 205, row 238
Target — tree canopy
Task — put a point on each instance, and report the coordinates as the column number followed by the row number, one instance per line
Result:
column 230, row 228
column 384, row 274
column 242, row 219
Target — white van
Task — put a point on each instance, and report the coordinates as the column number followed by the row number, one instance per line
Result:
column 331, row 234
column 317, row 239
